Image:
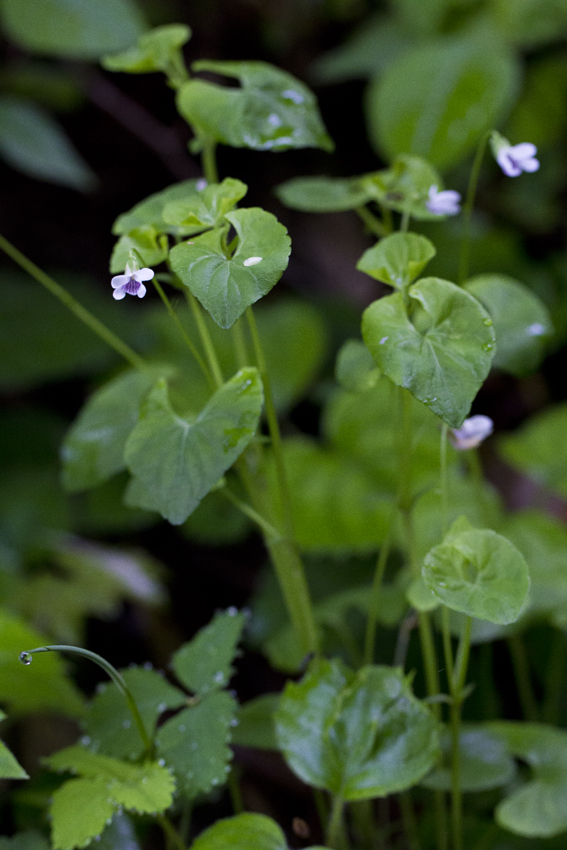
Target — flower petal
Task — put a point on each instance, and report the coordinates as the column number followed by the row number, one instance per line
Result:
column 119, row 294
column 143, row 274
column 141, row 291
column 120, row 280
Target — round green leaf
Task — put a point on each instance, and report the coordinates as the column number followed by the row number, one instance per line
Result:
column 226, row 286
column 536, row 809
column 405, row 186
column 479, row 573
column 175, row 461
column 323, row 194
column 270, row 111
column 522, row 323
column 484, row 761
column 76, row 28
column 242, row 832
column 440, row 349
column 438, row 99
column 397, row 259
column 149, row 212
column 207, row 207
column 355, row 369
column 359, row 735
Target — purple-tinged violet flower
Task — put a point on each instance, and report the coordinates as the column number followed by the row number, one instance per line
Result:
column 472, row 432
column 443, row 203
column 130, row 283
column 513, row 159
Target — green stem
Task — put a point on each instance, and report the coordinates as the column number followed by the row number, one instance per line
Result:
column 447, row 648
column 235, row 794
column 444, row 480
column 269, row 530
column 73, row 305
column 372, row 223
column 170, row 832
column 205, row 339
column 335, row 829
column 25, row 658
column 457, row 684
column 374, row 604
column 464, row 254
column 187, row 339
column 523, row 678
column 239, row 344
column 208, row 160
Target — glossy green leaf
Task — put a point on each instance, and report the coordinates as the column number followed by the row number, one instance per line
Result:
column 227, row 285
column 93, row 449
column 207, row 208
column 108, row 724
column 205, row 663
column 149, row 212
column 157, row 50
column 177, row 461
column 539, row 449
column 438, row 99
column 441, row 351
column 195, row 743
column 323, row 194
column 256, row 723
column 484, row 761
column 355, row 369
column 522, row 323
column 397, row 259
column 359, row 735
column 404, row 187
column 104, row 786
column 150, row 247
column 242, row 832
column 120, row 834
column 478, row 572
column 9, row 767
column 78, row 29
column 33, row 142
column 536, row 809
column 41, row 686
column 271, row 110
column 337, row 507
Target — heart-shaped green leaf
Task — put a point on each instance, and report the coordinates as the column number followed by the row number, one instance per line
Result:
column 270, row 111
column 440, row 348
column 359, row 735
column 324, row 194
column 478, row 572
column 397, row 259
column 227, row 285
column 157, row 50
column 149, row 212
column 176, row 462
column 206, row 208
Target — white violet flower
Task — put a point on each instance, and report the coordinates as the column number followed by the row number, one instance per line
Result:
column 443, row 203
column 513, row 159
column 472, row 432
column 130, row 282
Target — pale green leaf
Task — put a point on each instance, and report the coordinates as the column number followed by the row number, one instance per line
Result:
column 195, row 743
column 80, row 810
column 204, row 664
column 484, row 761
column 271, row 110
column 207, row 208
column 150, row 247
column 355, row 369
column 149, row 212
column 256, row 723
column 242, row 832
column 93, row 449
column 157, row 50
column 108, row 723
column 397, row 259
column 227, row 285
column 9, row 767
column 441, row 350
column 323, row 194
column 479, row 573
column 404, row 187
column 539, row 449
column 360, row 735
column 177, row 461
